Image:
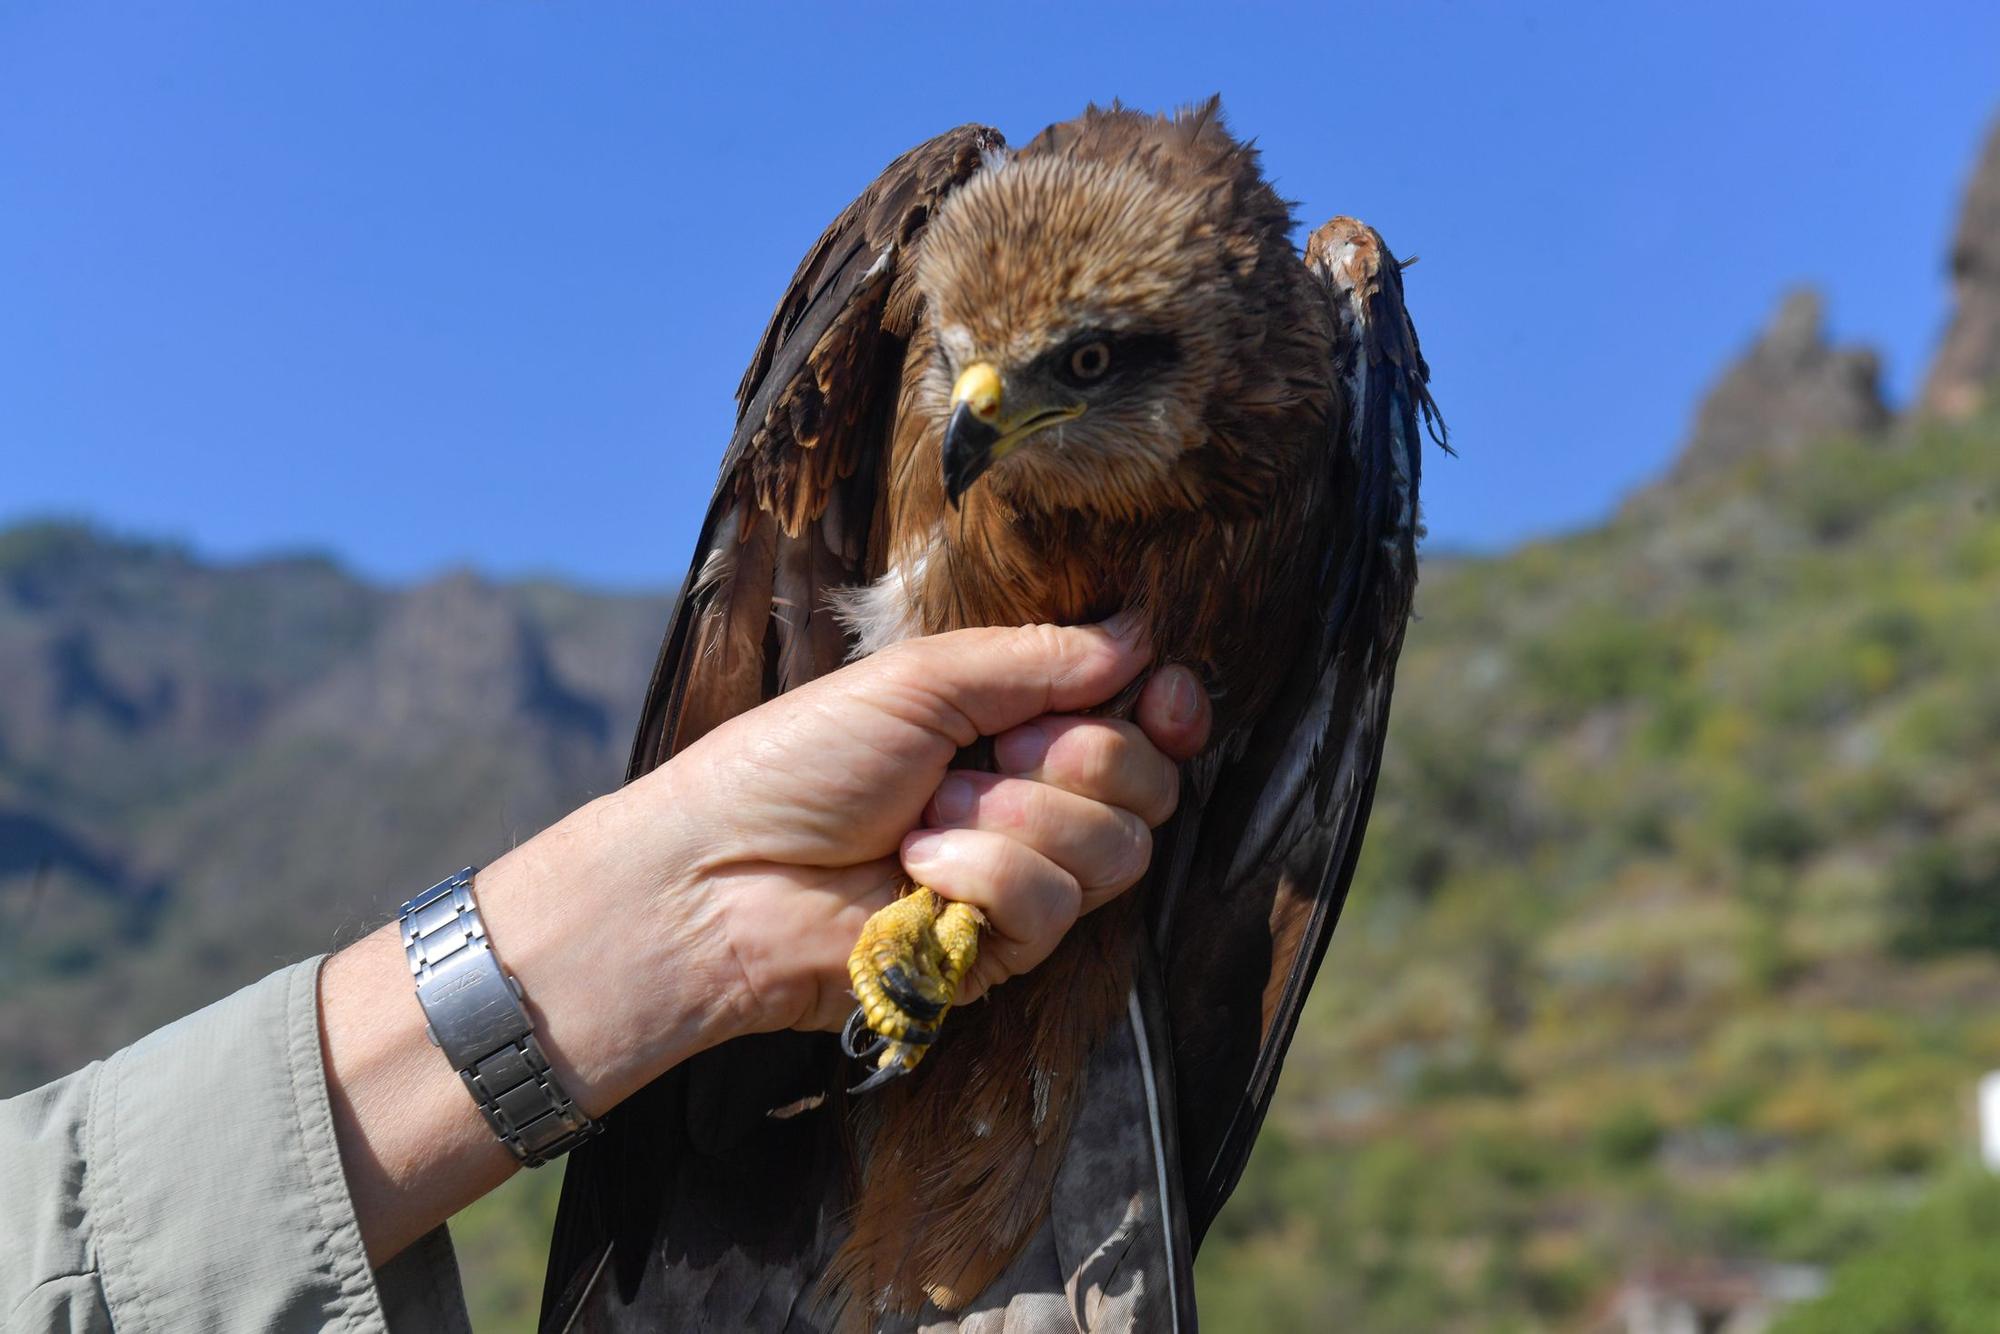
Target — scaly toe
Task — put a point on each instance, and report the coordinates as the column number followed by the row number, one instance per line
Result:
column 906, row 968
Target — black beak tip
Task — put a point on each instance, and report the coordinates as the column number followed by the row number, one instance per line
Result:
column 968, row 452
column 956, row 483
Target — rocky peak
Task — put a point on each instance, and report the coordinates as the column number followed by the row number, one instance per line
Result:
column 1964, row 377
column 456, row 655
column 1790, row 388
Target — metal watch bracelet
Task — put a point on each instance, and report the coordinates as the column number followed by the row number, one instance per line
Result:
column 474, row 1014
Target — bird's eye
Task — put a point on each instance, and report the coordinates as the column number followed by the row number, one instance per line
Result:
column 1090, row 360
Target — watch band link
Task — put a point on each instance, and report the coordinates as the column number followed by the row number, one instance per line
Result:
column 473, row 1013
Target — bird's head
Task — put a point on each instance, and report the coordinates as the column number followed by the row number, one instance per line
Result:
column 1085, row 313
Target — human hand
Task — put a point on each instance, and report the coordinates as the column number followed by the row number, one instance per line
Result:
column 799, row 819
column 721, row 894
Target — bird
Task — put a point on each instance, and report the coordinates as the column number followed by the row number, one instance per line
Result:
column 1092, row 375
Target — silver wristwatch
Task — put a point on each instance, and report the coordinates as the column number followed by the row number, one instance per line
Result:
column 475, row 1017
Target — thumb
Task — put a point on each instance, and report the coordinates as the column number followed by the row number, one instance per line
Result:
column 985, row 681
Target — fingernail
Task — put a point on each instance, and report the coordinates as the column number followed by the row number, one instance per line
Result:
column 1183, row 699
column 1126, row 626
column 1022, row 750
column 954, row 799
column 925, row 847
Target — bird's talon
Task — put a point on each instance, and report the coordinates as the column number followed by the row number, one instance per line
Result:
column 850, row 1036
column 883, row 1074
column 906, row 969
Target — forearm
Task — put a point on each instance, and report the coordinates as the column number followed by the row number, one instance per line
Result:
column 617, row 982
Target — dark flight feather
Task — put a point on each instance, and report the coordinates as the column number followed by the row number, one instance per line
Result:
column 1283, row 822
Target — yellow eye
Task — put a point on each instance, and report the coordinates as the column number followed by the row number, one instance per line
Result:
column 1090, row 361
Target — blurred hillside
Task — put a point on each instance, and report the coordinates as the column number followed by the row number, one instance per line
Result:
column 1677, row 939
column 1674, row 953
column 207, row 771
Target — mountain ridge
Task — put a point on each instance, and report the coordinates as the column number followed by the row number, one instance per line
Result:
column 172, row 727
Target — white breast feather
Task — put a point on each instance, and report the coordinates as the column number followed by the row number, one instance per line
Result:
column 884, row 612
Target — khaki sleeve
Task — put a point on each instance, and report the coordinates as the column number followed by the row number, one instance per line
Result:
column 192, row 1181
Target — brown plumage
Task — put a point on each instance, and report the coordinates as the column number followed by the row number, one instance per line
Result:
column 1219, row 436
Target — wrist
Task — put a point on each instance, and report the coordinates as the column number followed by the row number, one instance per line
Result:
column 474, row 1015
column 606, row 921
column 607, row 926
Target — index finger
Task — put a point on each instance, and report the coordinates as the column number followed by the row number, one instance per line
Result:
column 974, row 683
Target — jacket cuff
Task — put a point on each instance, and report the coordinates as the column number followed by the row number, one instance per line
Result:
column 216, row 1187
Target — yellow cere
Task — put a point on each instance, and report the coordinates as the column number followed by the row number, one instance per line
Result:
column 978, row 387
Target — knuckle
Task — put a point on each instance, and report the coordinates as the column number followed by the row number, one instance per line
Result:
column 983, row 859
column 1044, row 640
column 1135, row 852
column 1096, row 757
column 1058, row 900
column 1011, row 805
column 1036, row 898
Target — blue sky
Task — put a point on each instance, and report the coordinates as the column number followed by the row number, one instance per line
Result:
column 474, row 282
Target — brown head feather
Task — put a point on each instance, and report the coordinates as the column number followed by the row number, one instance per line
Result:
column 1136, row 226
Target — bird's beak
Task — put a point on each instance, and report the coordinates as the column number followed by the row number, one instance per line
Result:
column 981, row 432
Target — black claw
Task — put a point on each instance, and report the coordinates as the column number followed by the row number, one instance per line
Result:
column 908, row 999
column 882, row 1075
column 850, row 1036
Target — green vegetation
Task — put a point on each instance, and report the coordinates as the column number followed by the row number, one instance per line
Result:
column 1934, row 1273
column 503, row 1249
column 1677, row 937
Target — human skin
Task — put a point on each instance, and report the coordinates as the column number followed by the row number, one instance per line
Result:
column 721, row 894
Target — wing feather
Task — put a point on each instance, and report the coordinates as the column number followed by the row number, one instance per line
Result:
column 1280, row 831
column 697, row 1209
column 799, row 481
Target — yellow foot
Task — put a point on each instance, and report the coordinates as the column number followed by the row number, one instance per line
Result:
column 906, row 969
